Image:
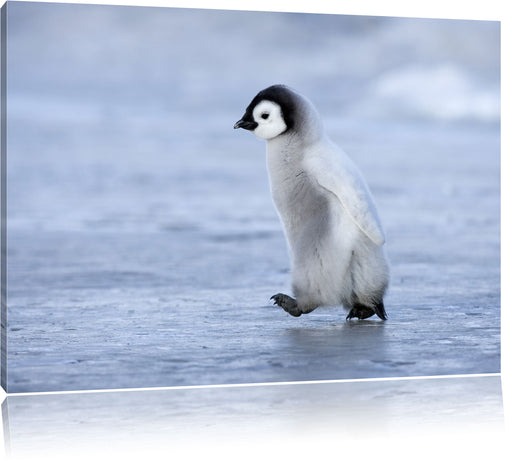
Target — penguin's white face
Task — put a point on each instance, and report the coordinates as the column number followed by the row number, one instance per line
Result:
column 269, row 117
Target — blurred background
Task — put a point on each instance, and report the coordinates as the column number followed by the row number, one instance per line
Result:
column 110, row 102
column 143, row 243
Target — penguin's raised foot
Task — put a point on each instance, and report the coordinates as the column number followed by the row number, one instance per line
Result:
column 362, row 312
column 287, row 303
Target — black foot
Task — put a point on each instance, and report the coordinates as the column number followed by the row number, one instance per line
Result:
column 380, row 311
column 287, row 303
column 362, row 312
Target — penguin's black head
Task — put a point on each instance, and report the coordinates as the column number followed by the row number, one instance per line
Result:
column 271, row 112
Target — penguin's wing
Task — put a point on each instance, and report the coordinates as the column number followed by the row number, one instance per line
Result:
column 338, row 174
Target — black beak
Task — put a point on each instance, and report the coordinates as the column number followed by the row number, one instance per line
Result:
column 248, row 125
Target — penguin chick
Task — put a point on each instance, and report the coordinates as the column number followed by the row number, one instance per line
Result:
column 335, row 239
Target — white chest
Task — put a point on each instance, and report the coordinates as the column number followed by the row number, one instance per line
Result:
column 296, row 193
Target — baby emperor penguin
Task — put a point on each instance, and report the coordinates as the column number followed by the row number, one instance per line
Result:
column 335, row 239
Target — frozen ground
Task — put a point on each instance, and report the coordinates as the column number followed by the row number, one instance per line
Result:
column 143, row 244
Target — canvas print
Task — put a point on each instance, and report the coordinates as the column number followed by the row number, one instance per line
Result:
column 206, row 197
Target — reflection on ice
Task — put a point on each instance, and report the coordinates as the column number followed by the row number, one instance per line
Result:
column 262, row 418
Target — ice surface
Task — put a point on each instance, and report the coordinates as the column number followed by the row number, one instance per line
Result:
column 143, row 244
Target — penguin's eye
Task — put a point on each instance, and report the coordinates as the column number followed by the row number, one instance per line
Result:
column 265, row 115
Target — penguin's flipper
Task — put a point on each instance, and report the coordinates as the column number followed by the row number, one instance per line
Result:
column 338, row 175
